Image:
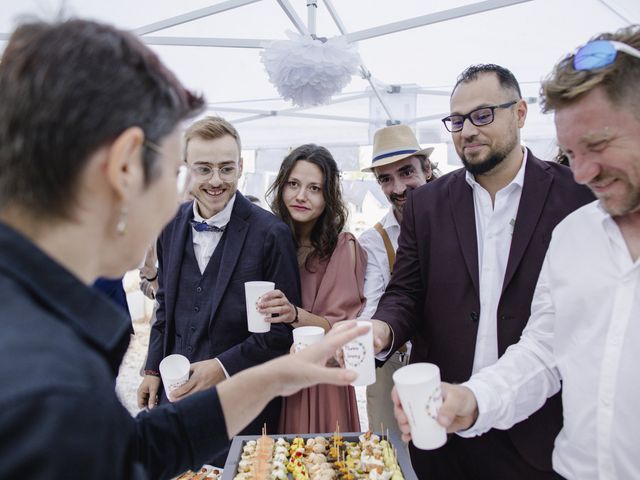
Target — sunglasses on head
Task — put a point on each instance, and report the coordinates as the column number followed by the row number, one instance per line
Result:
column 601, row 53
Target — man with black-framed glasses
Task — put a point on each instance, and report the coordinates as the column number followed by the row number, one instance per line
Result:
column 470, row 250
column 583, row 333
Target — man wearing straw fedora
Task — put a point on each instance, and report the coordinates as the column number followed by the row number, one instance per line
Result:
column 399, row 165
column 469, row 254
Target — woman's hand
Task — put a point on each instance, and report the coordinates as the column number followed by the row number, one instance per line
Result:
column 311, row 363
column 275, row 306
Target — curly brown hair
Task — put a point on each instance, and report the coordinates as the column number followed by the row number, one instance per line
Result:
column 324, row 235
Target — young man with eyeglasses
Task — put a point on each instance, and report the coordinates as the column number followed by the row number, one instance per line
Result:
column 470, row 250
column 212, row 247
column 583, row 332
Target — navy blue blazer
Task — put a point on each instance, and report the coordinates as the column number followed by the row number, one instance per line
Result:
column 433, row 297
column 258, row 246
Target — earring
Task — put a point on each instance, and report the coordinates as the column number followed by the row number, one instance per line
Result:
column 121, row 227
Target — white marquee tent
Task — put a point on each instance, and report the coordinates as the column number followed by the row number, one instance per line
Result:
column 413, row 49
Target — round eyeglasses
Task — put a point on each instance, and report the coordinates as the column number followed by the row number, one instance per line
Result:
column 479, row 117
column 203, row 172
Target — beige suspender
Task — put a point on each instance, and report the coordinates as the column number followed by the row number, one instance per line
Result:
column 391, row 256
column 391, row 253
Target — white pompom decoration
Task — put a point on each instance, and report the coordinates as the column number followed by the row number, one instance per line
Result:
column 308, row 71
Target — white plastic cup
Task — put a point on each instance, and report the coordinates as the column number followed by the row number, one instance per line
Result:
column 420, row 393
column 174, row 371
column 359, row 356
column 305, row 336
column 252, row 292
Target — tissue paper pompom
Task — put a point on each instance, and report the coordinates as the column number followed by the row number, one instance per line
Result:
column 308, row 71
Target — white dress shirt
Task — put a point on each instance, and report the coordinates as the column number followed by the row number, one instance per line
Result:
column 494, row 230
column 205, row 243
column 377, row 275
column 584, row 331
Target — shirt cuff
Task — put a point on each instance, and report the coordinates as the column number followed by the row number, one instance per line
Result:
column 485, row 398
column 224, row 370
column 384, row 354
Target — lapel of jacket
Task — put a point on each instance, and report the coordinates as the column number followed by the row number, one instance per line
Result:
column 180, row 235
column 462, row 211
column 537, row 183
column 236, row 233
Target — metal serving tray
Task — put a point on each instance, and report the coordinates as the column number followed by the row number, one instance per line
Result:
column 235, row 452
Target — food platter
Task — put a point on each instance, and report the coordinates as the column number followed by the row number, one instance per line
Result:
column 359, row 456
column 206, row 472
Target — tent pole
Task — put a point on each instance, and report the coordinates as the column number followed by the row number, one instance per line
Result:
column 312, row 8
column 364, row 71
column 366, row 74
column 293, row 16
column 191, row 16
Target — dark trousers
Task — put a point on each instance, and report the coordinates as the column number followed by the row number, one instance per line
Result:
column 491, row 456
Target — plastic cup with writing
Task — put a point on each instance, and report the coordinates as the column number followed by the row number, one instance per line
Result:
column 359, row 357
column 420, row 393
column 253, row 291
column 174, row 371
column 305, row 336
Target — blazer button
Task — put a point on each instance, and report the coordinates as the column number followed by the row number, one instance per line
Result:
column 198, row 289
column 189, row 349
column 196, row 308
column 474, row 316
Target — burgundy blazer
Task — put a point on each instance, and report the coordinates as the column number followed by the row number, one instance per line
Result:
column 433, row 296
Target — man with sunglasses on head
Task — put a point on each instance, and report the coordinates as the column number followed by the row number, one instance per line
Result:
column 470, row 250
column 583, row 332
column 215, row 244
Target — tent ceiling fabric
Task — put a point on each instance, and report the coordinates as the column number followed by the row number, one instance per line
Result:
column 528, row 37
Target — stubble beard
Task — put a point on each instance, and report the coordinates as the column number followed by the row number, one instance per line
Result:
column 630, row 203
column 495, row 158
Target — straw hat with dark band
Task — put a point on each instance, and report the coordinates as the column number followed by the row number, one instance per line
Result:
column 394, row 143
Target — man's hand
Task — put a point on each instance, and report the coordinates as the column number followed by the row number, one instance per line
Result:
column 459, row 409
column 381, row 335
column 148, row 288
column 401, row 417
column 148, row 391
column 204, row 375
column 381, row 339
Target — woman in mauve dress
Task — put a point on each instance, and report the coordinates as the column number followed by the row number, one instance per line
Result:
column 307, row 197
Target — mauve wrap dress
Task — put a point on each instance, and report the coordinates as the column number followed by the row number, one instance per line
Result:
column 333, row 289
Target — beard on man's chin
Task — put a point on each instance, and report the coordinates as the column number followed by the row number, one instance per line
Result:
column 485, row 166
column 395, row 197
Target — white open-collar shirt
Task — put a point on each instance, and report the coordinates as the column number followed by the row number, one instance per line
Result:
column 205, row 243
column 583, row 334
column 494, row 230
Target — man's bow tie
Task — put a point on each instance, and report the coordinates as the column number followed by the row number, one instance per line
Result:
column 205, row 227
